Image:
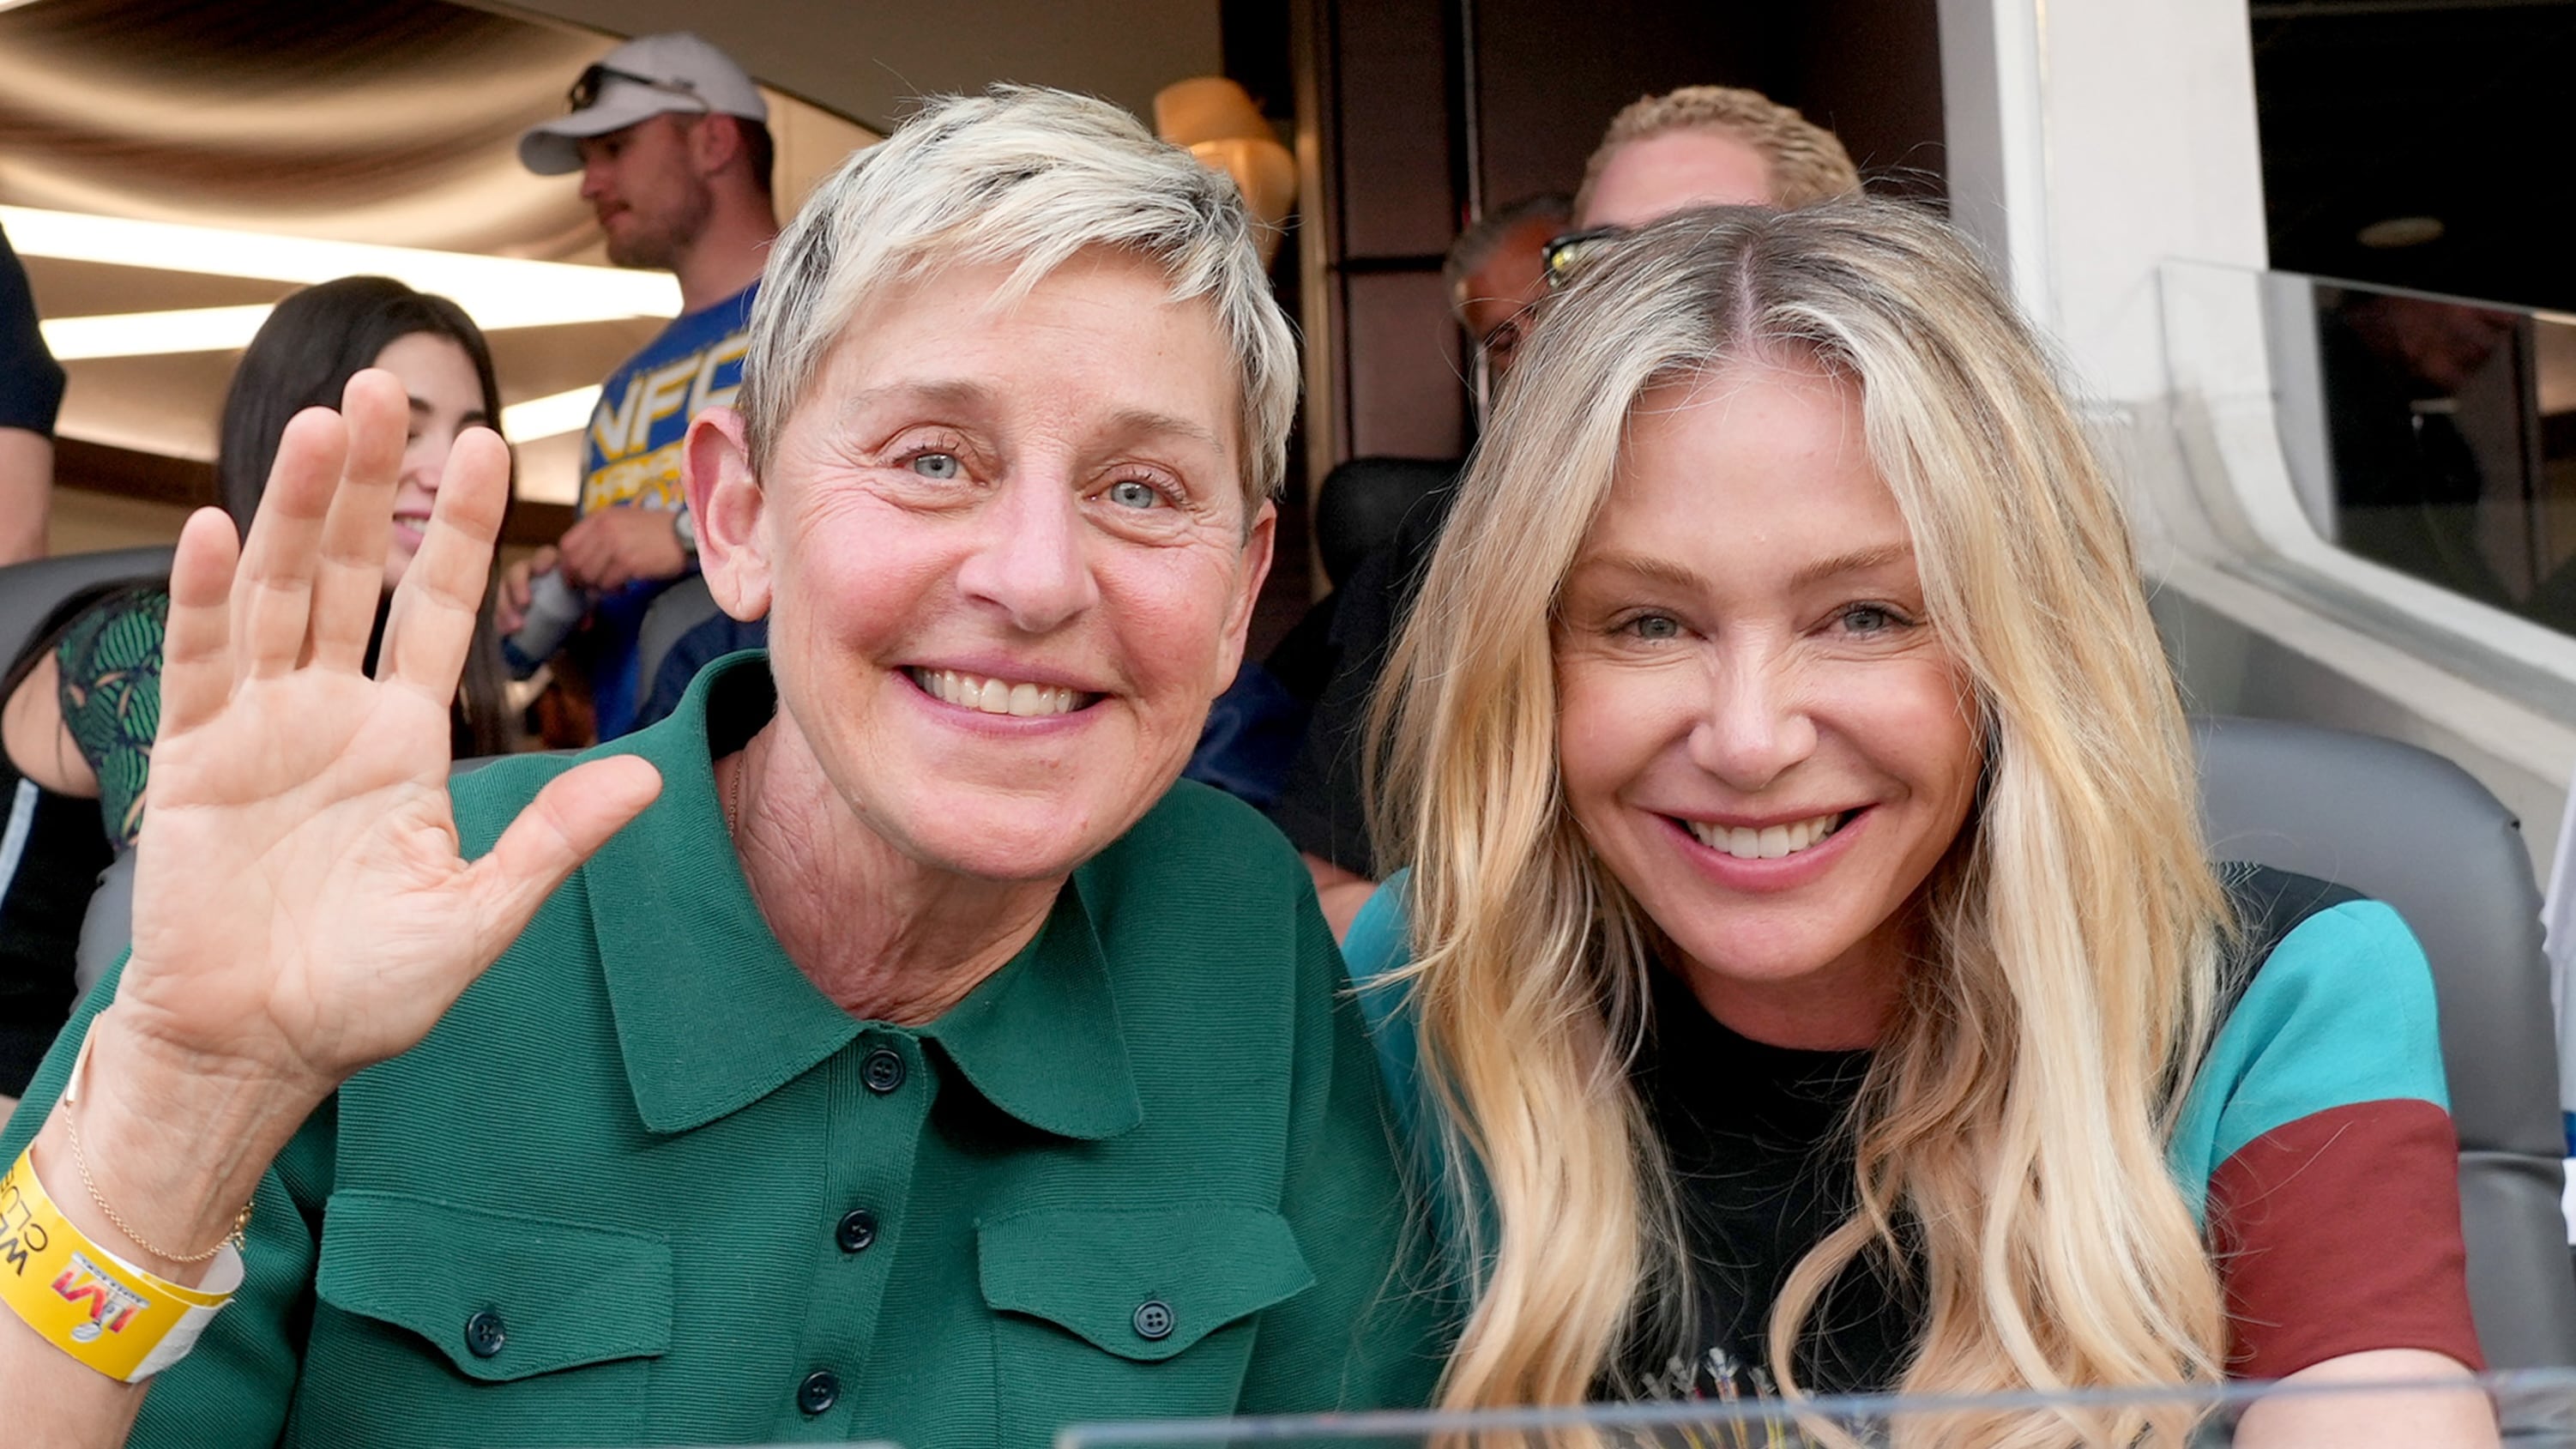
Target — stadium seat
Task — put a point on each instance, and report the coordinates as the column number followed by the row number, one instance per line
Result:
column 30, row 593
column 1363, row 502
column 2412, row 829
column 673, row 613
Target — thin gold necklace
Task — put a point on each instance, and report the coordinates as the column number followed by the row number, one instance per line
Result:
column 733, row 795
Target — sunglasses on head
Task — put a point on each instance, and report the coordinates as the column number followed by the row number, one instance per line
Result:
column 1569, row 254
column 594, row 78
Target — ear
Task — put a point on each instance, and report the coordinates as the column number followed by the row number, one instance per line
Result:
column 1250, row 570
column 713, row 143
column 729, row 505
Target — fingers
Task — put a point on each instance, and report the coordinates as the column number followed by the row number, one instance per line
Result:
column 356, row 531
column 432, row 623
column 568, row 821
column 519, row 590
column 196, row 653
column 272, row 593
column 616, row 546
column 585, row 550
column 518, row 586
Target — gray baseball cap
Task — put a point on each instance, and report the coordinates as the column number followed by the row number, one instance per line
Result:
column 646, row 76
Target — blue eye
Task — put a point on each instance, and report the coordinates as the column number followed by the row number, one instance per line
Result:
column 1655, row 626
column 1869, row 619
column 1130, row 493
column 939, row 466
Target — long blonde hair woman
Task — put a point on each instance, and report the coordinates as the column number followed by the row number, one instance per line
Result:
column 1785, row 663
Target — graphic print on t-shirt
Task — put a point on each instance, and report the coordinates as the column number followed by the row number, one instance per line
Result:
column 631, row 452
column 631, row 459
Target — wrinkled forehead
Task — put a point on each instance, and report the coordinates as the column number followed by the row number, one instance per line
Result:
column 1102, row 343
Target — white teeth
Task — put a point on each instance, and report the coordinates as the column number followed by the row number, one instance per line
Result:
column 995, row 696
column 1771, row 842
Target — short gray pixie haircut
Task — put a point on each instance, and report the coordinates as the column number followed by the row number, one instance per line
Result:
column 1027, row 177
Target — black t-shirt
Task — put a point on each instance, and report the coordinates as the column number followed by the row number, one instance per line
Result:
column 51, row 851
column 1764, row 1167
column 1758, row 1142
column 31, row 382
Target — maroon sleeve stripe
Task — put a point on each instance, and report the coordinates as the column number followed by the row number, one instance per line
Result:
column 2340, row 1232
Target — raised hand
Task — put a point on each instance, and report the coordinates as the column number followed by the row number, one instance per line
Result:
column 518, row 589
column 616, row 546
column 300, row 906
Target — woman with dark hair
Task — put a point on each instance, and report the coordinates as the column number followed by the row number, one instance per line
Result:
column 83, row 700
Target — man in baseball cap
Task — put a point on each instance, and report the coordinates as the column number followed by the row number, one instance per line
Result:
column 672, row 142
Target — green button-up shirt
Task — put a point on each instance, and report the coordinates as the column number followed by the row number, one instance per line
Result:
column 646, row 1184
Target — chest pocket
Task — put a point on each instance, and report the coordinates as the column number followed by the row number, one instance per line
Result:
column 1128, row 1314
column 441, row 1323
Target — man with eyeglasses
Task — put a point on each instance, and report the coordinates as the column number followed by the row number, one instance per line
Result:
column 1696, row 146
column 1495, row 273
column 672, row 142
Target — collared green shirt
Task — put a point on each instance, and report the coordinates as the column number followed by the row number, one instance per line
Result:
column 646, row 1184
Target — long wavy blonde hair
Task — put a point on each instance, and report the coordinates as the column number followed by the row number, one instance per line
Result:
column 2014, row 1118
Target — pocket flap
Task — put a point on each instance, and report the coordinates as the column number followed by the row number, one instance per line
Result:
column 1142, row 1283
column 502, row 1295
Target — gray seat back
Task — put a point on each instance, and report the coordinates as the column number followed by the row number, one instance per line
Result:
column 30, row 591
column 2410, row 828
column 673, row 613
column 107, row 927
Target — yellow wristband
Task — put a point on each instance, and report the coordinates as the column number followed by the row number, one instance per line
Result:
column 116, row 1318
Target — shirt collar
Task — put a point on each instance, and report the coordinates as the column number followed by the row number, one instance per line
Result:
column 1040, row 1038
column 683, row 946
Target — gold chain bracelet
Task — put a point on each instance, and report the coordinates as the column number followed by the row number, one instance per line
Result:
column 237, row 1238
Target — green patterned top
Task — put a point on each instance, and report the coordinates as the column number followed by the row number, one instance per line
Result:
column 110, row 662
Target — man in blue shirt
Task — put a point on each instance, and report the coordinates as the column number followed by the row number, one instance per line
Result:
column 672, row 142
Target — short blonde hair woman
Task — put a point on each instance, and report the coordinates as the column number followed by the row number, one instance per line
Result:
column 1811, row 974
column 887, row 1045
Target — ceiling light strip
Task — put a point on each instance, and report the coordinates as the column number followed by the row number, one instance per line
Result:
column 148, row 334
column 496, row 291
column 544, row 417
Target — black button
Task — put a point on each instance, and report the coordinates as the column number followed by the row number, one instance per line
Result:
column 858, row 1229
column 882, row 1071
column 820, row 1391
column 484, row 1334
column 1154, row 1319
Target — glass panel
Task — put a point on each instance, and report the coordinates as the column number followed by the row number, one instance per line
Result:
column 2439, row 445
column 2435, row 435
column 2531, row 1408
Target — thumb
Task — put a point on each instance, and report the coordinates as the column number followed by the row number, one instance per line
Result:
column 571, row 818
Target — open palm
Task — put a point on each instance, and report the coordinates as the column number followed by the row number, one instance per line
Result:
column 300, row 906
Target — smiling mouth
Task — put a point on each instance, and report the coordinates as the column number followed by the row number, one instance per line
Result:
column 1771, row 842
column 998, row 696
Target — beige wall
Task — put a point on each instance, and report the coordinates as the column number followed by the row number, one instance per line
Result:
column 866, row 60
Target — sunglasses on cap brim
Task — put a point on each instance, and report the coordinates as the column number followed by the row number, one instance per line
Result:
column 595, row 78
column 1565, row 256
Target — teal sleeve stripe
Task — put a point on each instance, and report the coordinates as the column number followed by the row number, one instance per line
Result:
column 2342, row 1012
column 1376, row 943
column 1377, row 947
